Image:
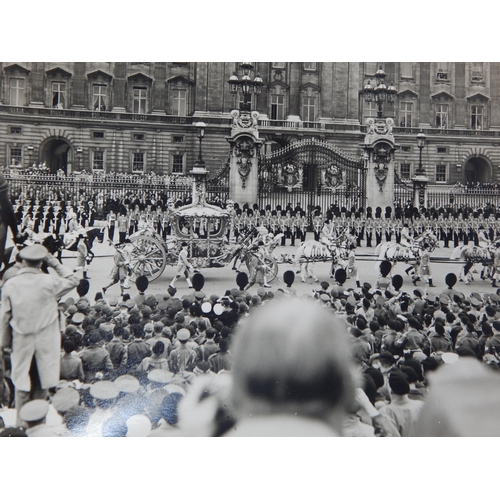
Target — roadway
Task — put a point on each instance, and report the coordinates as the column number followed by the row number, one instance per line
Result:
column 217, row 280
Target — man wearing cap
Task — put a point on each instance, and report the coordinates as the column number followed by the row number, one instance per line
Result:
column 182, row 358
column 34, row 414
column 29, row 322
column 104, row 394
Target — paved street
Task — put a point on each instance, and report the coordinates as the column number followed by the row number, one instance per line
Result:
column 217, row 280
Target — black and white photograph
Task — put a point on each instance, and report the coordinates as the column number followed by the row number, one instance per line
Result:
column 261, row 250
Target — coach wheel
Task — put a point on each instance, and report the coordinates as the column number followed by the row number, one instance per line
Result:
column 148, row 258
column 271, row 268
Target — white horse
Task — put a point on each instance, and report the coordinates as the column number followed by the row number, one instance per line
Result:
column 396, row 252
column 309, row 252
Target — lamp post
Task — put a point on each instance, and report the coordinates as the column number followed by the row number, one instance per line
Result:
column 30, row 150
column 420, row 180
column 79, row 152
column 200, row 126
column 380, row 93
column 245, row 85
column 420, row 144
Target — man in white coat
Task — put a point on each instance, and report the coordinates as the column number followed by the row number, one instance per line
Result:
column 29, row 323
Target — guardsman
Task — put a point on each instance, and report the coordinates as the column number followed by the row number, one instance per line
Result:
column 377, row 226
column 282, row 220
column 369, row 227
column 386, row 229
column 90, row 213
column 133, row 217
column 398, row 226
column 358, row 229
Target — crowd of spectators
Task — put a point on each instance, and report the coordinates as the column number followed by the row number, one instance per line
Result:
column 345, row 362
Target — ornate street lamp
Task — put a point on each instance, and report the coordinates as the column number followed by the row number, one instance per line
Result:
column 381, row 93
column 245, row 85
column 420, row 144
column 200, row 127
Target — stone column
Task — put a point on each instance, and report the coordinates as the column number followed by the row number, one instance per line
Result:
column 379, row 149
column 245, row 147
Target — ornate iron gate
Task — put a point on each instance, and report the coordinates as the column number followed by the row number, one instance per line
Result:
column 311, row 173
column 403, row 190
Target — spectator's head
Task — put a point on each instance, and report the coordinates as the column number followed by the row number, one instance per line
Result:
column 68, row 345
column 398, row 384
column 137, row 331
column 159, row 348
column 224, row 345
column 310, row 378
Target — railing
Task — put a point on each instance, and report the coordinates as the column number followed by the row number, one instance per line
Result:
column 109, row 188
column 226, row 121
column 109, row 115
column 458, row 195
column 447, row 132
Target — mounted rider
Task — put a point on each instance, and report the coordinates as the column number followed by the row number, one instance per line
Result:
column 77, row 236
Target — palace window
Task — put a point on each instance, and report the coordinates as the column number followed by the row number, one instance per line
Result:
column 442, row 115
column 138, row 161
column 440, row 173
column 16, row 156
column 58, row 95
column 17, row 92
column 177, row 164
column 406, row 69
column 277, row 107
column 406, row 114
column 140, row 99
column 477, row 73
column 178, row 139
column 370, row 109
column 310, row 66
column 308, row 108
column 97, row 160
column 476, row 117
column 97, row 134
column 406, row 149
column 99, row 97
column 442, row 72
column 15, row 130
column 179, row 101
column 405, row 170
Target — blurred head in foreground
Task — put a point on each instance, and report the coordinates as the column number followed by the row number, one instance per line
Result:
column 291, row 371
column 463, row 401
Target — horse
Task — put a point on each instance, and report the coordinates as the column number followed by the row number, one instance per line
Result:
column 474, row 254
column 91, row 234
column 396, row 252
column 311, row 251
